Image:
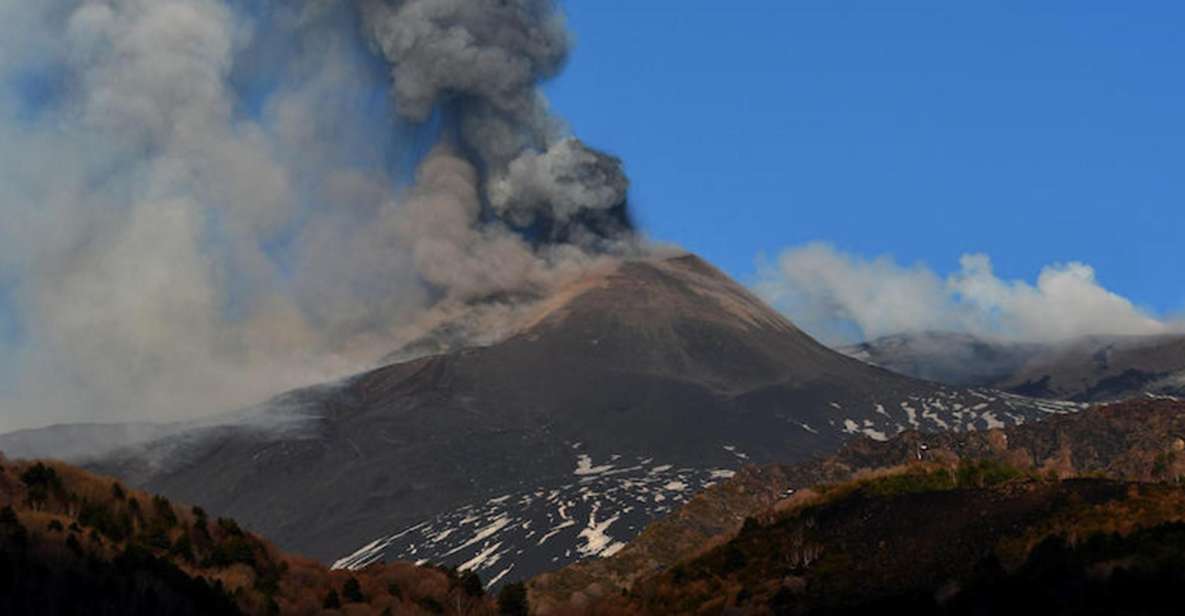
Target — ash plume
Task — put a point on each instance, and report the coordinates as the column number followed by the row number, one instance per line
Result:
column 206, row 202
column 477, row 63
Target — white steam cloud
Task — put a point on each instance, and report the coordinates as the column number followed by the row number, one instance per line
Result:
column 842, row 298
column 205, row 202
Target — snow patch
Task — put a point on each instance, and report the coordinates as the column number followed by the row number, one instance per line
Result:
column 481, row 558
column 596, row 540
column 584, row 466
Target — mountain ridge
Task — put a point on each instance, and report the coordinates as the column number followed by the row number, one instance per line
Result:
column 1085, row 369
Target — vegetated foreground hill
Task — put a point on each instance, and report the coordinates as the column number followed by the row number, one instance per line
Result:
column 618, row 398
column 75, row 543
column 978, row 538
column 1089, row 369
column 1142, row 440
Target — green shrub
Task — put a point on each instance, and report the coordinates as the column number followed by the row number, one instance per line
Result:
column 912, row 481
column 985, row 473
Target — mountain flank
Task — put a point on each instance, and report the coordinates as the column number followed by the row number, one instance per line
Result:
column 609, row 405
column 1141, row 441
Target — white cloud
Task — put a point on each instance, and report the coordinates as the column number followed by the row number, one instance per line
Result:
column 843, row 298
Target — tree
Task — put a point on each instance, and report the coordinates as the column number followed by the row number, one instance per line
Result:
column 352, row 591
column 158, row 539
column 40, row 475
column 512, row 600
column 164, row 511
column 183, row 548
column 11, row 527
column 40, row 481
column 73, row 545
column 230, row 527
column 117, row 525
column 332, row 601
column 117, row 491
column 734, row 558
column 201, row 524
column 471, row 584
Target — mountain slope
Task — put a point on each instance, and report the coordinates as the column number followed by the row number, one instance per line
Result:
column 932, row 541
column 653, row 366
column 961, row 360
column 1104, row 368
column 82, row 441
column 1141, row 440
column 1090, row 369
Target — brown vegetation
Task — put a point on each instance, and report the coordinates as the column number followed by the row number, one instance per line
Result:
column 65, row 516
column 919, row 536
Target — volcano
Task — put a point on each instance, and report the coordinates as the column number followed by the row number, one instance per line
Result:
column 616, row 400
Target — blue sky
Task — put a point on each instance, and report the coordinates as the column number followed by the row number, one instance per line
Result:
column 1037, row 133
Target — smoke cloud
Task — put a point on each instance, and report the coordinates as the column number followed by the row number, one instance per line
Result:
column 479, row 61
column 842, row 298
column 206, row 202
